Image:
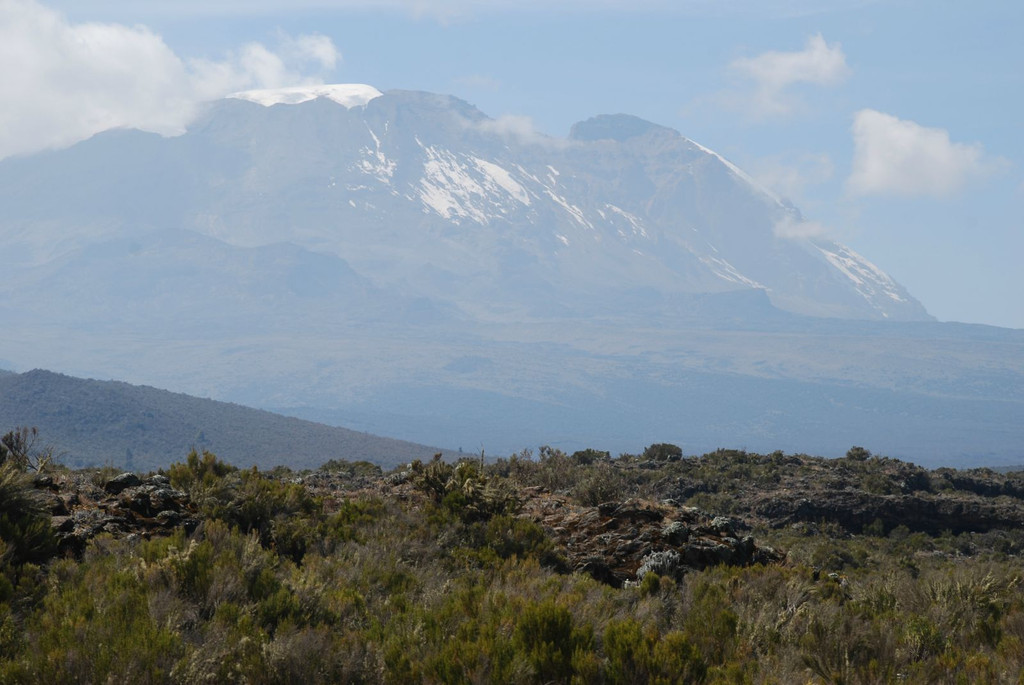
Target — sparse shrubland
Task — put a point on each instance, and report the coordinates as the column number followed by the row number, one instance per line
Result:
column 472, row 573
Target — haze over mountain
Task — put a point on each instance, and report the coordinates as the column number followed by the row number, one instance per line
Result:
column 401, row 263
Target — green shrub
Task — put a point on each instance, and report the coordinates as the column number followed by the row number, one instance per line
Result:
column 25, row 526
column 199, row 472
column 545, row 634
column 857, row 453
column 650, row 584
column 351, row 514
column 627, row 652
column 590, row 456
column 464, row 490
column 675, row 659
column 711, row 622
column 663, row 451
column 600, row 483
column 352, row 469
column 96, row 627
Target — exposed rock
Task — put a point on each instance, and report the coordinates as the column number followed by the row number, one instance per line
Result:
column 723, row 525
column 56, row 504
column 617, row 542
column 854, row 510
column 150, row 499
column 127, row 506
column 44, row 481
column 777, row 490
column 676, row 533
column 119, row 483
column 980, row 482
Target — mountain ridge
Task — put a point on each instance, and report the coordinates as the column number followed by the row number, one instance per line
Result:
column 422, row 171
column 92, row 422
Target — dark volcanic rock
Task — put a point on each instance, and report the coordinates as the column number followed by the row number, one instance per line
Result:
column 980, row 482
column 127, row 505
column 119, row 483
column 618, row 542
column 149, row 499
column 854, row 510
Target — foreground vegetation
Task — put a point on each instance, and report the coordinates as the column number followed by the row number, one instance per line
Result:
column 436, row 573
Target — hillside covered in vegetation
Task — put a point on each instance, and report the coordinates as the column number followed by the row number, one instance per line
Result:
column 133, row 427
column 731, row 567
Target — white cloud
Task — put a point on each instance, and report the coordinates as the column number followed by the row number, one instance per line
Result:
column 521, row 128
column 794, row 227
column 515, row 125
column 454, row 9
column 789, row 175
column 63, row 82
column 894, row 156
column 773, row 73
column 313, row 48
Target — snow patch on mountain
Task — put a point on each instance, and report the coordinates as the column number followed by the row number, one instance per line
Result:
column 870, row 281
column 467, row 187
column 503, row 179
column 346, row 94
column 575, row 212
column 740, row 173
column 727, row 271
column 633, row 221
column 375, row 162
column 447, row 189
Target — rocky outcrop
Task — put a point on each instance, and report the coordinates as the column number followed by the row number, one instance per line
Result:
column 619, row 542
column 125, row 505
column 859, row 492
column 982, row 482
column 854, row 510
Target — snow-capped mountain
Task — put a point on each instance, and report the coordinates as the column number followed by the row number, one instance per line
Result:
column 401, row 263
column 425, row 194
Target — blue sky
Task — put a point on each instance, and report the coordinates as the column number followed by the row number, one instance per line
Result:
column 895, row 126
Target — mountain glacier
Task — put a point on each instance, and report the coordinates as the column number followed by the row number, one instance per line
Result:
column 426, row 194
column 399, row 262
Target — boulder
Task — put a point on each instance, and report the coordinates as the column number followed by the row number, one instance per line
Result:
column 118, row 483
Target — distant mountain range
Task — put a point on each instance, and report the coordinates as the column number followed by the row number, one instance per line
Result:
column 90, row 422
column 403, row 264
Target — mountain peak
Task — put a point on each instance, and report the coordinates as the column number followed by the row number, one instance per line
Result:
column 618, row 127
column 345, row 94
column 409, row 187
